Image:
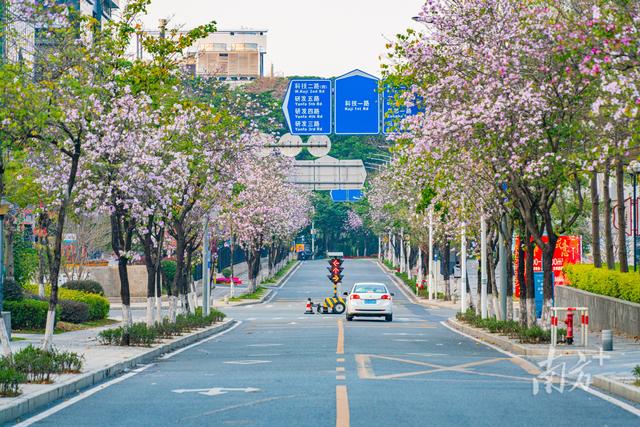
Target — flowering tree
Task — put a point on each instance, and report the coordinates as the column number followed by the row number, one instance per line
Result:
column 505, row 100
column 266, row 210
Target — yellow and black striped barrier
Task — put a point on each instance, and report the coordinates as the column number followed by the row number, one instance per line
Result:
column 337, row 305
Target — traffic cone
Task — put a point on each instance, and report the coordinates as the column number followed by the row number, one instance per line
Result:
column 309, row 309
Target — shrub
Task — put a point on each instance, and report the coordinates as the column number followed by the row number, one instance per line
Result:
column 98, row 305
column 12, row 291
column 636, row 374
column 29, row 313
column 10, row 378
column 510, row 328
column 25, row 260
column 73, row 311
column 141, row 335
column 226, row 272
column 37, row 364
column 168, row 268
column 138, row 334
column 89, row 286
column 603, row 281
column 68, row 362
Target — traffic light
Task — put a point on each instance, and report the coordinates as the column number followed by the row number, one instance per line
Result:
column 335, row 270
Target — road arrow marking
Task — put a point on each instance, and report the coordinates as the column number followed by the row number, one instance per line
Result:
column 215, row 391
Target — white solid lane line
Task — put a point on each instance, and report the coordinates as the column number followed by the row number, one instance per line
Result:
column 41, row 416
column 590, row 390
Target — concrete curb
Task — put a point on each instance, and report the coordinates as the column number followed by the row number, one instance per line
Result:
column 251, row 302
column 618, row 388
column 30, row 403
column 280, row 283
column 401, row 285
column 410, row 295
column 506, row 344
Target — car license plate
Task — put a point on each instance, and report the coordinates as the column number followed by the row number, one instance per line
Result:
column 369, row 301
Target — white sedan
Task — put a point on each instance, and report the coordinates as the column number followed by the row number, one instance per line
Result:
column 370, row 300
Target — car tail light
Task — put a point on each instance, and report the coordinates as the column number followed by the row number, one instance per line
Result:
column 385, row 296
column 355, row 296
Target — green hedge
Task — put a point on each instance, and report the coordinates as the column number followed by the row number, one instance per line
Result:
column 29, row 313
column 98, row 306
column 89, row 286
column 602, row 281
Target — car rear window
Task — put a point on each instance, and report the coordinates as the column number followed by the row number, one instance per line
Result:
column 371, row 289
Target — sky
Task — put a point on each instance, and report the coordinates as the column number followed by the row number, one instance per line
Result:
column 324, row 38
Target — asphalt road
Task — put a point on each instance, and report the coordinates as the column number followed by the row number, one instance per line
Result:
column 279, row 367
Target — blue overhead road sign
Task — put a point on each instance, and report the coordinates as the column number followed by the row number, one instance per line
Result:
column 307, row 107
column 346, row 195
column 393, row 112
column 357, row 104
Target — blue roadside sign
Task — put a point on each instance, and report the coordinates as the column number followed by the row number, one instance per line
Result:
column 393, row 112
column 307, row 107
column 346, row 195
column 357, row 109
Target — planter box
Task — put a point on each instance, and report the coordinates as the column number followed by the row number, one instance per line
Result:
column 604, row 312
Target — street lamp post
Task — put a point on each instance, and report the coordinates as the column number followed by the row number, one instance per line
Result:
column 205, row 268
column 4, row 209
column 483, row 267
column 432, row 276
column 634, row 169
column 463, row 269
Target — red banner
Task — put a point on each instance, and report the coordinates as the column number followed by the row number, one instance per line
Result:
column 568, row 251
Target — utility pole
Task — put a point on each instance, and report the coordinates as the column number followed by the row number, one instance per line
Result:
column 463, row 269
column 205, row 267
column 503, row 268
column 483, row 267
column 313, row 240
column 431, row 281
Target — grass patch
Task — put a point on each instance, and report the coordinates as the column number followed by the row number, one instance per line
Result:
column 280, row 273
column 62, row 327
column 253, row 295
column 17, row 339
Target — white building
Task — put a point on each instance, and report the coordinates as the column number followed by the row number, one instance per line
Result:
column 231, row 55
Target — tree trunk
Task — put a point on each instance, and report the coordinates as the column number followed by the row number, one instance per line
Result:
column 529, row 282
column 595, row 221
column 622, row 223
column 608, row 219
column 508, row 242
column 54, row 264
column 492, row 261
column 547, row 269
column 150, row 264
column 522, row 282
column 446, row 260
column 180, row 250
column 253, row 268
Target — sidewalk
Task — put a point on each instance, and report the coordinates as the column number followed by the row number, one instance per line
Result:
column 584, row 366
column 433, row 303
column 609, row 371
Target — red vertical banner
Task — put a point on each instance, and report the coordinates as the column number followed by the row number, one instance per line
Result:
column 568, row 251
